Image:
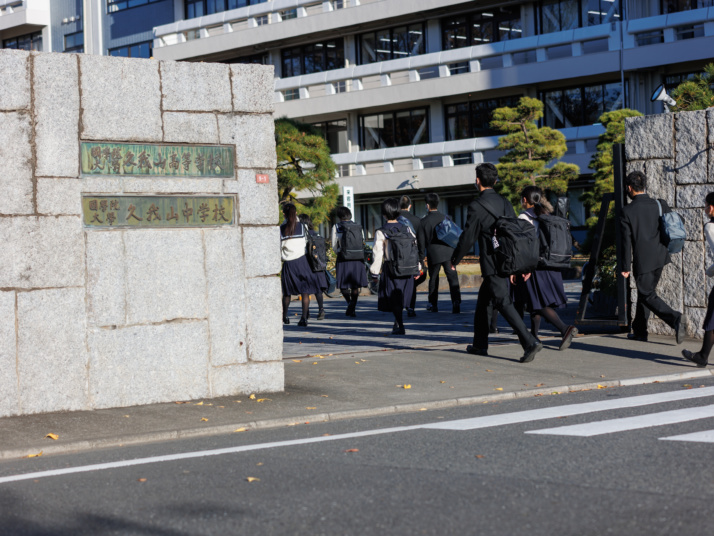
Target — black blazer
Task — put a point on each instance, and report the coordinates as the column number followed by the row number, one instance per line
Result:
column 479, row 226
column 641, row 244
column 416, row 223
column 436, row 250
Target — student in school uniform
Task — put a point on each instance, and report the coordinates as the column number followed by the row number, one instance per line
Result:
column 320, row 277
column 542, row 291
column 351, row 272
column 296, row 276
column 395, row 293
column 405, row 205
column 701, row 358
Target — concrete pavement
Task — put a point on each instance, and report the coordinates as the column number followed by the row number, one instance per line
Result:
column 344, row 368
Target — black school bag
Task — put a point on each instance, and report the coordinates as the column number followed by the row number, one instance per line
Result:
column 351, row 244
column 515, row 245
column 556, row 242
column 316, row 252
column 404, row 261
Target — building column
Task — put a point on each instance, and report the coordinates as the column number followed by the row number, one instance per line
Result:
column 92, row 16
column 433, row 36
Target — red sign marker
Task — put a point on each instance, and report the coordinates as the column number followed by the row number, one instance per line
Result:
column 262, row 178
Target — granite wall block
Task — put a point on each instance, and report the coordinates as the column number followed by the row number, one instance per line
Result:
column 648, row 137
column 190, row 128
column 691, row 138
column 259, row 259
column 59, row 196
column 265, row 333
column 253, row 88
column 253, row 136
column 196, row 87
column 14, row 80
column 9, row 393
column 693, row 273
column 16, row 163
column 106, row 278
column 256, row 201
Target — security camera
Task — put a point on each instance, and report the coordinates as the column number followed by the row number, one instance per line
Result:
column 660, row 94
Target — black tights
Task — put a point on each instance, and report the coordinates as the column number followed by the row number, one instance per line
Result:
column 350, row 295
column 551, row 316
column 319, row 298
column 707, row 344
column 397, row 308
column 305, row 305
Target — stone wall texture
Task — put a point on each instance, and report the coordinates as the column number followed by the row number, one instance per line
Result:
column 676, row 151
column 96, row 318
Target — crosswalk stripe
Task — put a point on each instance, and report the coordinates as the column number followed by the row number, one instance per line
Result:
column 630, row 423
column 705, row 436
column 570, row 409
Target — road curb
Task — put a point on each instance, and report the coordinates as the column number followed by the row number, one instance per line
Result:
column 338, row 416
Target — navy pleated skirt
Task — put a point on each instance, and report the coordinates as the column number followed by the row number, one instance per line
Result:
column 709, row 317
column 394, row 291
column 351, row 274
column 298, row 278
column 544, row 288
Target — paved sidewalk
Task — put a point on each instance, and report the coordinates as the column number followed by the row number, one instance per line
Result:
column 341, row 368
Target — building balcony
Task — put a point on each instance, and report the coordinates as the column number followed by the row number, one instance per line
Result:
column 23, row 16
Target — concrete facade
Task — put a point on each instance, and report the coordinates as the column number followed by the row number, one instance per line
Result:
column 674, row 150
column 95, row 318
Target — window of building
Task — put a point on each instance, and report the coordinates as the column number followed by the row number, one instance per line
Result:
column 335, row 133
column 118, row 5
column 472, row 119
column 394, row 129
column 288, row 14
column 392, row 43
column 313, row 58
column 139, row 50
column 673, row 80
column 471, row 29
column 262, row 58
column 74, row 42
column 31, row 41
column 674, row 6
column 199, row 8
column 560, row 15
column 578, row 106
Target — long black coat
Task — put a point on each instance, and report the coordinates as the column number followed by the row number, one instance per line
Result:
column 479, row 226
column 416, row 223
column 641, row 244
column 436, row 250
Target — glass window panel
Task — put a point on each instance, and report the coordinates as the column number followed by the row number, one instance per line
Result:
column 374, row 132
column 403, row 128
column 481, row 31
column 334, row 55
column 384, row 45
column 550, row 16
column 613, row 97
column 368, row 53
column 400, row 42
column 572, row 107
column 419, row 131
column 416, row 39
column 568, row 14
column 455, row 33
column 553, row 112
column 509, row 29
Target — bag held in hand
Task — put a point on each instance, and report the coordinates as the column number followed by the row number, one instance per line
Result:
column 351, row 244
column 515, row 245
column 404, row 253
column 556, row 242
column 316, row 252
column 671, row 230
column 448, row 232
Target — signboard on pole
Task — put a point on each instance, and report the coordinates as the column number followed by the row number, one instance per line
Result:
column 348, row 198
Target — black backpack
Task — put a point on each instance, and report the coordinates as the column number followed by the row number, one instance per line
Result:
column 515, row 245
column 556, row 242
column 316, row 252
column 404, row 261
column 351, row 244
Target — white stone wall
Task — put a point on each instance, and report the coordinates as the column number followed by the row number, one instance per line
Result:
column 103, row 318
column 676, row 152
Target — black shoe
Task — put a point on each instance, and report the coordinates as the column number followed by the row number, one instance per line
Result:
column 697, row 358
column 571, row 332
column 456, row 308
column 396, row 330
column 411, row 313
column 321, row 314
column 350, row 309
column 680, row 329
column 286, row 320
column 492, row 330
column 432, row 308
column 634, row 337
column 303, row 322
column 470, row 349
column 531, row 351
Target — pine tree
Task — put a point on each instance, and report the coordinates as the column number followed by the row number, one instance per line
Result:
column 695, row 93
column 529, row 150
column 304, row 164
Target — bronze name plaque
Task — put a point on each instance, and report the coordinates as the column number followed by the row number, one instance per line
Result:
column 157, row 211
column 129, row 159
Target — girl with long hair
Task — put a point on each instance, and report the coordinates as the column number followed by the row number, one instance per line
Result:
column 351, row 272
column 320, row 277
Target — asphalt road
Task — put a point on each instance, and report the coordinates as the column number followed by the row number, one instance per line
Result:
column 510, row 468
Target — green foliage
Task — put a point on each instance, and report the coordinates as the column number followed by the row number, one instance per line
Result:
column 696, row 93
column 529, row 150
column 304, row 164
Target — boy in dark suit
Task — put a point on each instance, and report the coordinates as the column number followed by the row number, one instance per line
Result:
column 405, row 205
column 641, row 243
column 494, row 289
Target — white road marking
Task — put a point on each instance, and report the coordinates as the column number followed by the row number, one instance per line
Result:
column 706, row 436
column 630, row 423
column 461, row 424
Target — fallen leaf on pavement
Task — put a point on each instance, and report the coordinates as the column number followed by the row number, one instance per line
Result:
column 239, row 430
column 222, row 407
column 52, row 436
column 263, row 400
column 34, row 455
column 142, row 480
column 488, row 370
column 555, row 393
column 329, row 354
column 601, row 386
column 252, row 479
column 310, row 407
column 325, row 396
column 422, row 409
column 540, row 385
column 352, row 450
column 480, row 456
column 357, row 363
column 252, row 397
column 127, row 416
column 180, row 402
column 314, row 362
column 602, row 375
column 297, row 360
column 203, row 419
column 442, row 381
column 199, row 404
column 499, row 388
column 259, row 463
column 408, row 386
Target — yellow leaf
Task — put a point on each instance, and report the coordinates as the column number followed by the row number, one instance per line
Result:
column 259, row 463
column 408, row 386
column 540, row 385
column 325, row 396
column 34, row 455
column 222, row 407
column 142, row 480
column 322, row 357
column 199, row 404
column 499, row 388
column 601, row 386
column 238, row 401
column 252, row 397
column 442, row 381
column 264, row 399
column 297, row 360
column 52, row 436
column 480, row 456
column 318, row 355
column 488, row 370
column 422, row 409
column 127, row 416
column 203, row 419
column 310, row 407
column 352, row 450
column 357, row 362
column 252, row 479
column 555, row 393
column 314, row 362
column 328, row 355
column 239, row 430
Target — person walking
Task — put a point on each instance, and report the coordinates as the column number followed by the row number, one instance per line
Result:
column 543, row 292
column 296, row 276
column 405, row 205
column 701, row 358
column 395, row 293
column 494, row 288
column 348, row 244
column 321, row 276
column 438, row 255
column 642, row 247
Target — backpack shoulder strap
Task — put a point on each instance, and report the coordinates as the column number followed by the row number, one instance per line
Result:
column 487, row 209
column 659, row 205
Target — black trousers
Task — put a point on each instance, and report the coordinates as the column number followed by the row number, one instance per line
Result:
column 451, row 276
column 418, row 282
column 494, row 290
column 647, row 300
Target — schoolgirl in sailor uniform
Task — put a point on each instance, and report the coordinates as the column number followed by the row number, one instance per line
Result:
column 542, row 290
column 320, row 277
column 351, row 274
column 296, row 276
